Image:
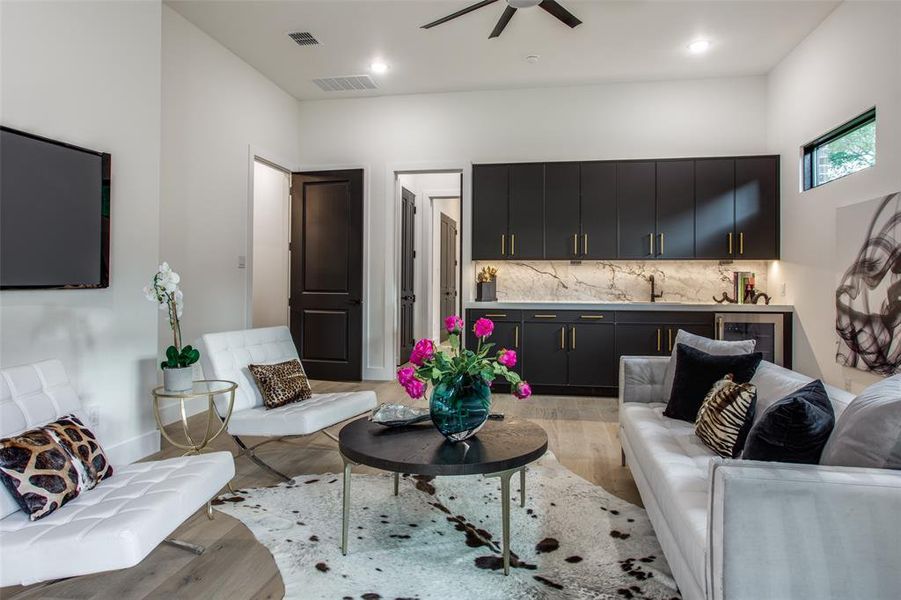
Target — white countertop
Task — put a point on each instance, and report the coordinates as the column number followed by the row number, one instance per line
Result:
column 666, row 306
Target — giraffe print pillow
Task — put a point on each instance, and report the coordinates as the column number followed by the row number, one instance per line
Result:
column 82, row 445
column 39, row 472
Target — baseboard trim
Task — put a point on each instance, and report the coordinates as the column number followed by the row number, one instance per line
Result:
column 134, row 449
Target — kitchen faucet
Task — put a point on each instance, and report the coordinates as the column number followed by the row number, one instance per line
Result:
column 654, row 295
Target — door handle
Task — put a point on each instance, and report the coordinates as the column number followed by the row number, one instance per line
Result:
column 730, row 243
column 572, row 332
column 669, row 337
column 563, row 338
column 658, row 339
column 503, row 244
column 516, row 336
column 741, row 242
column 660, row 250
column 650, row 244
column 512, row 244
column 585, row 244
column 575, row 244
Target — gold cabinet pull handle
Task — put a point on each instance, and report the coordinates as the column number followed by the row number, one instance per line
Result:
column 573, row 335
column 496, row 315
column 516, row 337
column 512, row 244
column 585, row 244
column 669, row 335
column 658, row 339
column 575, row 244
column 651, row 244
column 503, row 244
column 545, row 316
column 591, row 316
column 730, row 242
column 661, row 244
column 563, row 338
column 741, row 242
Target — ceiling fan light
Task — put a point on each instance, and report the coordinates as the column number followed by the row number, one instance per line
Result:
column 378, row 67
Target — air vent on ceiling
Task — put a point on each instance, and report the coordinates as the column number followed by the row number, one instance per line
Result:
column 347, row 83
column 303, row 38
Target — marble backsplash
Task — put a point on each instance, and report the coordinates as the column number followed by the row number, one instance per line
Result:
column 619, row 281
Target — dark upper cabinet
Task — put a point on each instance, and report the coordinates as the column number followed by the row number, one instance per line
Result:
column 598, row 183
column 675, row 209
column 592, row 359
column 562, row 234
column 757, row 207
column 526, row 212
column 490, row 186
column 714, row 208
column 635, row 207
column 544, row 353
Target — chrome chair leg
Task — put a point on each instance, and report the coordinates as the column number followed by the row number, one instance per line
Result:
column 249, row 453
column 345, row 512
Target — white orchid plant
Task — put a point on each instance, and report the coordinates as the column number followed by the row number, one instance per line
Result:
column 164, row 290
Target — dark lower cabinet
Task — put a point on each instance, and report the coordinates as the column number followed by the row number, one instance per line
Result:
column 544, row 353
column 592, row 359
column 639, row 339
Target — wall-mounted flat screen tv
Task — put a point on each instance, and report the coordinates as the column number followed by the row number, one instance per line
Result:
column 54, row 214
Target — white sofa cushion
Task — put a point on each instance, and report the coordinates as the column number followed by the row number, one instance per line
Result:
column 116, row 524
column 676, row 465
column 775, row 383
column 302, row 418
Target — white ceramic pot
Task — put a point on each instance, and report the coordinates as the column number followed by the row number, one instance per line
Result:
column 178, row 380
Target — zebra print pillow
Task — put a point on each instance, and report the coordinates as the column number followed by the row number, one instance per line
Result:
column 725, row 416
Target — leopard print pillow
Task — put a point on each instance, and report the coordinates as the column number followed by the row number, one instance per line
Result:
column 282, row 383
column 38, row 472
column 83, row 445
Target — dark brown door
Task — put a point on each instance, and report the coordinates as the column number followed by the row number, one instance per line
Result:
column 561, row 197
column 675, row 209
column 757, row 207
column 598, row 210
column 526, row 221
column 327, row 273
column 635, row 203
column 715, row 208
column 407, row 261
column 448, row 271
column 490, row 187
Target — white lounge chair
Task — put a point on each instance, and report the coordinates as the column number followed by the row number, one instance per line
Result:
column 226, row 356
column 116, row 524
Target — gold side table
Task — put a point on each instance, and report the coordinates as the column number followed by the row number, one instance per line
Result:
column 216, row 423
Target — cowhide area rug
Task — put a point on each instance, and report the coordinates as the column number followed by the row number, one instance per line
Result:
column 440, row 538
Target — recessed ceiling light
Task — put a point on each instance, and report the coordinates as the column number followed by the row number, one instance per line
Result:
column 532, row 58
column 699, row 46
column 378, row 67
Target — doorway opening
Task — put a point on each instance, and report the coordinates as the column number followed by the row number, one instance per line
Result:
column 430, row 211
column 271, row 235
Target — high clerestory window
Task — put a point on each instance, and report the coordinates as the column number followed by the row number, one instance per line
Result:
column 842, row 151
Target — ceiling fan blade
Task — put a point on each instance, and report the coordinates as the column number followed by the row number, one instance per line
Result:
column 459, row 13
column 553, row 7
column 502, row 22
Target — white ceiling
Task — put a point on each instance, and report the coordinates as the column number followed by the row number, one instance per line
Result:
column 630, row 40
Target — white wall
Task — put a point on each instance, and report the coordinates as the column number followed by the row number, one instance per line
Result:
column 88, row 73
column 271, row 234
column 217, row 111
column 446, row 131
column 850, row 63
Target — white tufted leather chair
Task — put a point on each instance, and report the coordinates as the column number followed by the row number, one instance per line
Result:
column 226, row 356
column 113, row 526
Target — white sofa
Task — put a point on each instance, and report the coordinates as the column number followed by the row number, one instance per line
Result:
column 734, row 529
column 113, row 526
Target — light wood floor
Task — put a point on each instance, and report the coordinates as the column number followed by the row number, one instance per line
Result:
column 582, row 433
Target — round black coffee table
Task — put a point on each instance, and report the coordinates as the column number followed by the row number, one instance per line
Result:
column 500, row 449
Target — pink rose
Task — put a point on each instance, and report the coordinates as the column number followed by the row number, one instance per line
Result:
column 483, row 328
column 422, row 351
column 415, row 388
column 453, row 324
column 405, row 374
column 507, row 358
column 522, row 390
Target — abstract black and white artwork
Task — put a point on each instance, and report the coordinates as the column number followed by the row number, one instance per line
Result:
column 868, row 296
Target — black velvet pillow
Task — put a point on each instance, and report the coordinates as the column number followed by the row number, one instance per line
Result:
column 794, row 429
column 697, row 371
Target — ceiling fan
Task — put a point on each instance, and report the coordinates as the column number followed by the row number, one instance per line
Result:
column 550, row 6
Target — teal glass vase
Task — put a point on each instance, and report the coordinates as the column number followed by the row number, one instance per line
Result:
column 460, row 406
